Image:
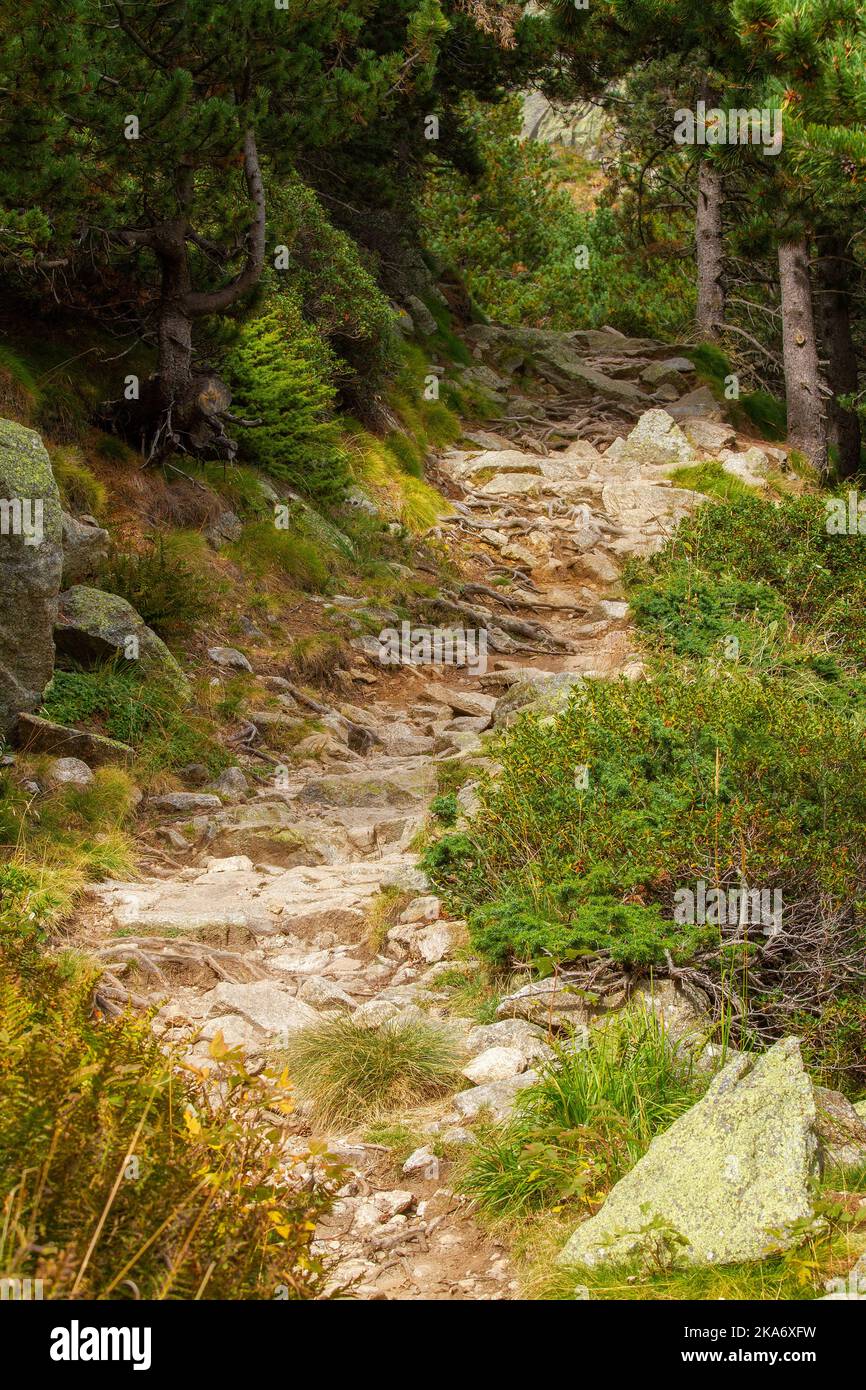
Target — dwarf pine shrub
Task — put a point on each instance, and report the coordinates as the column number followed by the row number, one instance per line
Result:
column 280, row 371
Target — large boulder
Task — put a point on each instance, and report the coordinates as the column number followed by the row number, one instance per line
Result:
column 657, row 441
column 94, row 626
column 732, row 1177
column 30, row 570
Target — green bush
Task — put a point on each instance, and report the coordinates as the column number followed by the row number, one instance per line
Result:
column 589, row 1119
column 281, row 375
column 512, row 234
column 162, row 587
column 145, row 714
column 122, row 1178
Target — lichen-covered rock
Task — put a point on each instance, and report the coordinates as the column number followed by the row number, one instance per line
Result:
column 84, row 546
column 731, row 1177
column 550, row 692
column 657, row 440
column 37, row 735
column 30, row 570
column 841, row 1130
column 94, row 626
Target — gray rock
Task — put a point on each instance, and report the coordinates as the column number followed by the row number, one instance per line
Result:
column 94, row 626
column 709, row 435
column 37, row 735
column 732, row 1177
column 423, row 1164
column 265, row 1004
column 497, row 1097
column 841, row 1129
column 529, row 1039
column 227, row 527
column 30, row 571
column 495, row 1064
column 84, row 548
column 324, row 994
column 423, row 320
column 231, row 784
column 70, row 772
column 229, row 658
column 186, row 803
column 550, row 692
column 547, row 1003
column 700, row 402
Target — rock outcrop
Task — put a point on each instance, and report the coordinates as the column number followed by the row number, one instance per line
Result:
column 728, row 1182
column 94, row 626
column 30, row 570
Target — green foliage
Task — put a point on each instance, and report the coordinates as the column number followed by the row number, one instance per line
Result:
column 301, row 559
column 690, row 777
column 280, row 372
column 819, row 577
column 589, row 1119
column 711, row 479
column 349, row 1073
column 80, row 489
column 121, row 1178
column 145, row 714
column 164, row 589
column 445, row 808
column 512, row 235
column 334, row 285
column 693, row 615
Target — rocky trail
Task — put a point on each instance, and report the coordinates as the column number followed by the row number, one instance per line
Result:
column 260, row 925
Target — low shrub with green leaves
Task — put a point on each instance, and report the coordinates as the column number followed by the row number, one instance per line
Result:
column 123, row 1178
column 740, row 762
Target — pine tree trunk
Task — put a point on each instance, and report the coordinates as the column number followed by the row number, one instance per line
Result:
column 838, row 344
column 181, row 408
column 807, row 422
column 709, row 251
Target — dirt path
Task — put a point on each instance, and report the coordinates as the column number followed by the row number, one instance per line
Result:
column 267, row 927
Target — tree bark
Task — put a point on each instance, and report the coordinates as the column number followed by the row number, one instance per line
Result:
column 180, row 408
column 838, row 344
column 807, row 421
column 710, row 253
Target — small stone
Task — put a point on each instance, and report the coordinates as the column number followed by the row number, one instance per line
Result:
column 375, row 1012
column 70, row 772
column 231, row 864
column 186, row 803
column 423, row 1164
column 495, row 1064
column 324, row 994
column 426, row 909
column 497, row 1096
column 231, row 785
column 434, row 943
column 229, row 658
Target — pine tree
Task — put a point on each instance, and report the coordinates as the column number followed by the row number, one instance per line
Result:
column 814, row 60
column 693, row 53
column 151, row 132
